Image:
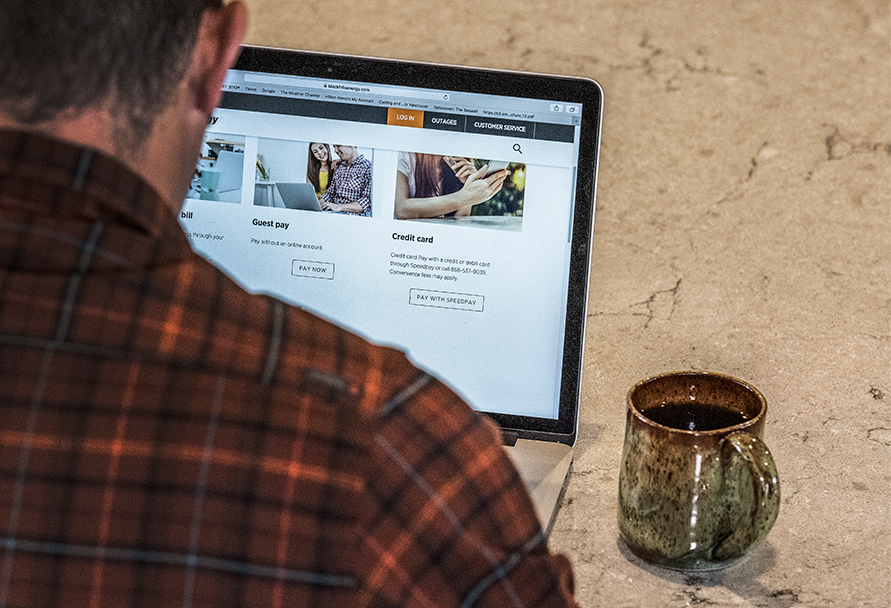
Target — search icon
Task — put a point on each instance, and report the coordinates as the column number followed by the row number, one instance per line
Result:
column 517, row 148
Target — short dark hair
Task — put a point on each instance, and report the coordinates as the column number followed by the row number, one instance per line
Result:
column 67, row 56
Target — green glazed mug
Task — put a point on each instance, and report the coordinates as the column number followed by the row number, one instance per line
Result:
column 697, row 487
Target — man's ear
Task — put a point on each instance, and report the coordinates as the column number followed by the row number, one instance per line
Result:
column 217, row 48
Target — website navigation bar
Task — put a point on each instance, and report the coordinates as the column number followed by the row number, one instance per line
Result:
column 304, row 105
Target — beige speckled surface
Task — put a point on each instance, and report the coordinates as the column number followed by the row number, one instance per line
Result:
column 743, row 226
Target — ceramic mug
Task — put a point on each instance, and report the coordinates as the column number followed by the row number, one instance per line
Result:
column 697, row 486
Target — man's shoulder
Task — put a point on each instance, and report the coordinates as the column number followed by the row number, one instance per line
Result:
column 378, row 377
column 382, row 380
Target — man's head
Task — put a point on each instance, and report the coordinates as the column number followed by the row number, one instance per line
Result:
column 60, row 58
column 106, row 73
column 346, row 153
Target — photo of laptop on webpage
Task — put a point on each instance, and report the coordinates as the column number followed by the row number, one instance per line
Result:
column 448, row 215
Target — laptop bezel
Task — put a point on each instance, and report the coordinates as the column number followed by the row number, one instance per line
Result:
column 567, row 89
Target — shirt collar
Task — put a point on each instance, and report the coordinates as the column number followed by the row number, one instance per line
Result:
column 47, row 178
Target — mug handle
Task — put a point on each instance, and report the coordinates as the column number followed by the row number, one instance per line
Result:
column 754, row 521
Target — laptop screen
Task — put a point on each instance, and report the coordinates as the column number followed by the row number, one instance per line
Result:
column 444, row 211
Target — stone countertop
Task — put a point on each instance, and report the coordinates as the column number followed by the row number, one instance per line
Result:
column 743, row 226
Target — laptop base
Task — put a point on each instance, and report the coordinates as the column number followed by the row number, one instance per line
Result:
column 544, row 468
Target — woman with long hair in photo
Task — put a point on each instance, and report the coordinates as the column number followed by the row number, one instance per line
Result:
column 433, row 185
column 320, row 167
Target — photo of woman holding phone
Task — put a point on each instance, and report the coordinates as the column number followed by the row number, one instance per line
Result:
column 433, row 185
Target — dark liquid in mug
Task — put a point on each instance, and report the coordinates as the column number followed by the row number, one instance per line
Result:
column 694, row 416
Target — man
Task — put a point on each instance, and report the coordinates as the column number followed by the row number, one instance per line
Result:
column 167, row 439
column 350, row 188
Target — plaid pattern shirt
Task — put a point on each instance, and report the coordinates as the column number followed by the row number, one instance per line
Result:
column 351, row 183
column 167, row 439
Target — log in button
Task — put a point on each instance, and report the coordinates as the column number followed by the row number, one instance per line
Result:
column 445, row 299
column 405, row 118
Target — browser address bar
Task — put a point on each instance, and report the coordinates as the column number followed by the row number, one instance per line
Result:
column 346, row 88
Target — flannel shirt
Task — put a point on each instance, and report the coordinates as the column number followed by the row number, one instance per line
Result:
column 351, row 183
column 167, row 439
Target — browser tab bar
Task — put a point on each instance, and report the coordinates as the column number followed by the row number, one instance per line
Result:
column 348, row 88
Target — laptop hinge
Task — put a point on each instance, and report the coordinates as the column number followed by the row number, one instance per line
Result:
column 509, row 437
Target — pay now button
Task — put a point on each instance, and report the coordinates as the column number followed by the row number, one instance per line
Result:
column 312, row 270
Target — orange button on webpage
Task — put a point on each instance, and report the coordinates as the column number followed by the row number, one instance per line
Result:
column 405, row 118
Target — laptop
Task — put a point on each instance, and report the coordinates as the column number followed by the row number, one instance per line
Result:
column 468, row 194
column 299, row 196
